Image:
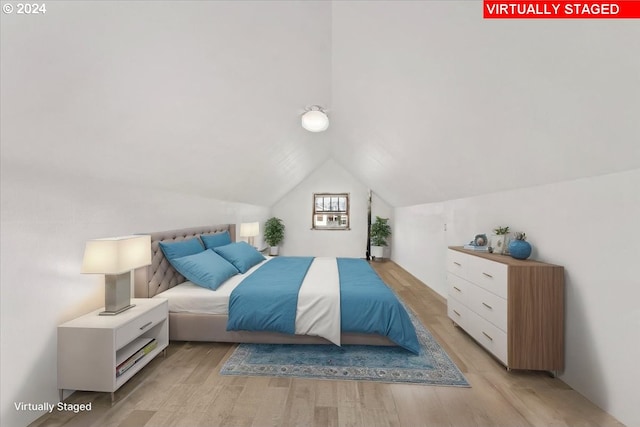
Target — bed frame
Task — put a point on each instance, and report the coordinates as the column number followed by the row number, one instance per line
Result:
column 160, row 276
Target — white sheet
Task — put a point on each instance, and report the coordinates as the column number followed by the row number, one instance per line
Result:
column 189, row 298
column 319, row 301
column 318, row 311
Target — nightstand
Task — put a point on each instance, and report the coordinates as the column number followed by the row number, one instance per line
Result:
column 101, row 353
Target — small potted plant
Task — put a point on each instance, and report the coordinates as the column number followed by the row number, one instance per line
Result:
column 519, row 248
column 273, row 234
column 498, row 240
column 380, row 232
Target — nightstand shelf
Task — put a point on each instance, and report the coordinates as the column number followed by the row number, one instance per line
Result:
column 92, row 346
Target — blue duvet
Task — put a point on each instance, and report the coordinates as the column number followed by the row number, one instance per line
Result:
column 371, row 307
column 267, row 300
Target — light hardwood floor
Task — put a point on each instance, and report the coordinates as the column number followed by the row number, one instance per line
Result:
column 185, row 389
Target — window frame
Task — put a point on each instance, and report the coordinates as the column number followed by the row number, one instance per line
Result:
column 338, row 212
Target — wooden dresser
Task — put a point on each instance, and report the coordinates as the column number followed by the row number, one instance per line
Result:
column 513, row 308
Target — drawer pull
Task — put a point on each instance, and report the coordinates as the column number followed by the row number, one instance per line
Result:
column 487, row 305
column 145, row 325
column 457, row 289
column 457, row 263
column 456, row 313
column 487, row 335
column 488, row 275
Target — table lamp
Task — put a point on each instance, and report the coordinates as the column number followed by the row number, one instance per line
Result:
column 249, row 230
column 115, row 257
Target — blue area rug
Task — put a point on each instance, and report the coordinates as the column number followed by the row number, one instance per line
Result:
column 350, row 362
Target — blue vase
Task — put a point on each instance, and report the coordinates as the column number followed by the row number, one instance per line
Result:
column 520, row 249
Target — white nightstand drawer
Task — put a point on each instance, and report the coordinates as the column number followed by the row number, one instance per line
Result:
column 488, row 305
column 490, row 275
column 140, row 325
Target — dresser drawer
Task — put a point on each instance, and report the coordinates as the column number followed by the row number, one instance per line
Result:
column 457, row 312
column 488, row 335
column 489, row 274
column 141, row 324
column 488, row 305
column 457, row 263
column 459, row 288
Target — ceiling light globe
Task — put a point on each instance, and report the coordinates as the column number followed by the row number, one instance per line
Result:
column 315, row 121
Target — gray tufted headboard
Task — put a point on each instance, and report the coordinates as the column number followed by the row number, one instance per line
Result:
column 160, row 275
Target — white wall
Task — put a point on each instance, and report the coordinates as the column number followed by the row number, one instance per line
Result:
column 414, row 81
column 46, row 219
column 295, row 210
column 591, row 227
column 102, row 85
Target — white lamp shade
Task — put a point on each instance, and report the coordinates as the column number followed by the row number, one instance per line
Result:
column 315, row 121
column 116, row 255
column 249, row 229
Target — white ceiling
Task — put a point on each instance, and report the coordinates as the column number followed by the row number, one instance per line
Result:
column 427, row 100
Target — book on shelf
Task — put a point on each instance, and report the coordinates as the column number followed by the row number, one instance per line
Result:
column 477, row 248
column 148, row 344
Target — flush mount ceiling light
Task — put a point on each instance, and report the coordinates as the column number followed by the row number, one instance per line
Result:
column 315, row 119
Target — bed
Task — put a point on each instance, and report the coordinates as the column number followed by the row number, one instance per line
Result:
column 199, row 314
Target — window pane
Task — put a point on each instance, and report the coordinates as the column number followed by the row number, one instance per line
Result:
column 342, row 204
column 327, row 204
column 319, row 204
column 334, row 204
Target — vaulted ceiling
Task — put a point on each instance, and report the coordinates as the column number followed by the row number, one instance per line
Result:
column 427, row 100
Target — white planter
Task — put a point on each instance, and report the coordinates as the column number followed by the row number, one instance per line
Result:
column 498, row 244
column 273, row 250
column 377, row 251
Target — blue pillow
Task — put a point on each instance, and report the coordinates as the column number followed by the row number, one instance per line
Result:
column 242, row 255
column 206, row 269
column 212, row 241
column 182, row 248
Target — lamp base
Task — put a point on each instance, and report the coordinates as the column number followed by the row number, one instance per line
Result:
column 117, row 293
column 113, row 313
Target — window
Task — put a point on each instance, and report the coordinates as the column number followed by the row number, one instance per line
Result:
column 330, row 211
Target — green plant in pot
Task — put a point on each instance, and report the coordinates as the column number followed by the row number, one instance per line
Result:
column 273, row 234
column 380, row 232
